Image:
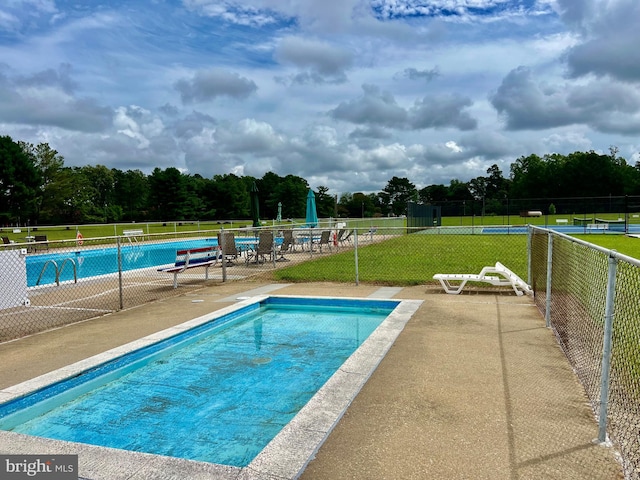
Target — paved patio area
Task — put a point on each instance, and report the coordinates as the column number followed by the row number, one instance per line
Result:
column 474, row 387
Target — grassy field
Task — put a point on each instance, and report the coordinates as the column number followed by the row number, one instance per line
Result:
column 621, row 243
column 414, row 259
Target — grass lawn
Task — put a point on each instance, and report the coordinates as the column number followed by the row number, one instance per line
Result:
column 629, row 246
column 414, row 259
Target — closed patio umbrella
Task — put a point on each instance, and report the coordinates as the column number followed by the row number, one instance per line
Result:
column 312, row 215
column 279, row 217
column 254, row 205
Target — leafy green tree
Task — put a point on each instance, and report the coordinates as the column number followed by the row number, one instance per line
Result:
column 357, row 205
column 529, row 177
column 49, row 163
column 19, row 183
column 497, row 185
column 196, row 207
column 131, row 194
column 433, row 194
column 326, row 203
column 293, row 191
column 398, row 193
column 268, row 186
column 73, row 198
column 230, row 197
column 100, row 193
column 167, row 194
column 459, row 191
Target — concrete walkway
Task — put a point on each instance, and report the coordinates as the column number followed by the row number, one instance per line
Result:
column 474, row 387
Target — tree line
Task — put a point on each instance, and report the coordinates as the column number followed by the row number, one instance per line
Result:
column 37, row 188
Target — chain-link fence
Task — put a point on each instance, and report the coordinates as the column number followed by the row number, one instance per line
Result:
column 588, row 294
column 589, row 297
column 575, row 210
column 47, row 283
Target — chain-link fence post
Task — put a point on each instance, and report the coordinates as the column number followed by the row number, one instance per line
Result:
column 273, row 248
column 224, row 257
column 547, row 314
column 120, row 286
column 606, row 349
column 529, row 255
column 355, row 250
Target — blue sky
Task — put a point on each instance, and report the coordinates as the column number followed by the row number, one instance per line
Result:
column 345, row 93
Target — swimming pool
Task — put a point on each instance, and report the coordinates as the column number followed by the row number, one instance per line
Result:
column 103, row 261
column 258, row 349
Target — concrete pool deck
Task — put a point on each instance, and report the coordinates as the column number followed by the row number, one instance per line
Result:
column 474, row 386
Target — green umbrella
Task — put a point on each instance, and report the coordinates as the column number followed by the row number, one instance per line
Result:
column 312, row 215
column 254, row 205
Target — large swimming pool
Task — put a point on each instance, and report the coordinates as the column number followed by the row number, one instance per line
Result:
column 218, row 392
column 102, row 261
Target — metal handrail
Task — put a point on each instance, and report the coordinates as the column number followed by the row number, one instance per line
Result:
column 59, row 270
column 46, row 264
column 75, row 274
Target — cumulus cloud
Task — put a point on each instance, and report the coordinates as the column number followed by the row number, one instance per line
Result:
column 249, row 136
column 375, row 107
column 441, row 112
column 321, row 61
column 490, row 145
column 372, row 131
column 139, row 124
column 379, row 108
column 192, row 124
column 45, row 98
column 100, row 84
column 608, row 38
column 60, row 78
column 604, row 106
column 206, row 85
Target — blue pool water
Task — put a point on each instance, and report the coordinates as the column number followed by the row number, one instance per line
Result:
column 103, row 261
column 216, row 393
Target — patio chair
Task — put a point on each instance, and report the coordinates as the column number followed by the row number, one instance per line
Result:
column 325, row 239
column 41, row 242
column 6, row 241
column 230, row 251
column 263, row 249
column 286, row 245
column 345, row 237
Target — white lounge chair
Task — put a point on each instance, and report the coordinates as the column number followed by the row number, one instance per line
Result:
column 498, row 275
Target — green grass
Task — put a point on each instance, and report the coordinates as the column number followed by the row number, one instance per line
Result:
column 629, row 246
column 414, row 259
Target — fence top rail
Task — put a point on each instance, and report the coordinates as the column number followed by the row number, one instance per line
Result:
column 606, row 251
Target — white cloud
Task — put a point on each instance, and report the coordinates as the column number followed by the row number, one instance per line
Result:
column 603, row 105
column 206, row 85
column 323, row 61
column 323, row 90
